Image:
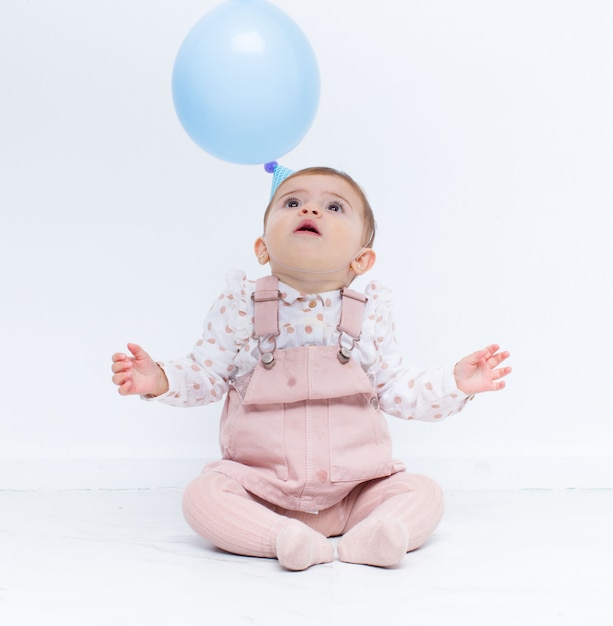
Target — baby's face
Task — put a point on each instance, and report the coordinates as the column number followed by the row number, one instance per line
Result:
column 316, row 224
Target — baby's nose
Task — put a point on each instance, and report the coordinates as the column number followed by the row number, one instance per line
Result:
column 309, row 208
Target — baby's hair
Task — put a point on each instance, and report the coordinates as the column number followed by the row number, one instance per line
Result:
column 370, row 225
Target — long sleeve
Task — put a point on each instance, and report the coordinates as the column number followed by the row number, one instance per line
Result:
column 405, row 391
column 203, row 375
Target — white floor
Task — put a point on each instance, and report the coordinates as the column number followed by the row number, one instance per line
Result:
column 111, row 558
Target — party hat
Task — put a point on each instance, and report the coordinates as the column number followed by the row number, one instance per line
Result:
column 279, row 174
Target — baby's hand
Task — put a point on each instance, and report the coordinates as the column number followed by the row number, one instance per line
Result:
column 477, row 372
column 138, row 374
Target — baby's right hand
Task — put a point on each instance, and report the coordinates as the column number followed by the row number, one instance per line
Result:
column 138, row 374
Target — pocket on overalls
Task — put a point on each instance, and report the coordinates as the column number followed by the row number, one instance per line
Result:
column 360, row 443
column 253, row 435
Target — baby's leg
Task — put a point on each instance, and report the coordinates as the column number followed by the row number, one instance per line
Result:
column 389, row 517
column 223, row 512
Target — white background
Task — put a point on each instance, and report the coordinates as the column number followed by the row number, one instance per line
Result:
column 482, row 133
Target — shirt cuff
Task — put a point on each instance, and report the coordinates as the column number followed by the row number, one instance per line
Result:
column 171, row 386
column 450, row 386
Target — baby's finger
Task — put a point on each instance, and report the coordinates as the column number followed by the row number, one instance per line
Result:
column 499, row 386
column 121, row 379
column 491, row 350
column 125, row 389
column 478, row 356
column 121, row 366
column 501, row 372
column 498, row 358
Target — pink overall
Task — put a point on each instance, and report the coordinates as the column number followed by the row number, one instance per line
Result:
column 302, row 438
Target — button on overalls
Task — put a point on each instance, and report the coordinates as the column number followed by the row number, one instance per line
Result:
column 304, row 427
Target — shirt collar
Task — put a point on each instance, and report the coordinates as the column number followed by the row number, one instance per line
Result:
column 290, row 295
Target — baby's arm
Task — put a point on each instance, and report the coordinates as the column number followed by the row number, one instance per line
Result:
column 430, row 394
column 203, row 375
column 138, row 374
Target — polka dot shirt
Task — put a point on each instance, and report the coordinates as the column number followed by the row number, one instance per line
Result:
column 226, row 351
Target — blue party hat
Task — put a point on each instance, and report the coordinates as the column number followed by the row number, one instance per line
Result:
column 279, row 174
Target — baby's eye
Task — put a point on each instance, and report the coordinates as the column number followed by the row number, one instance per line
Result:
column 292, row 203
column 337, row 207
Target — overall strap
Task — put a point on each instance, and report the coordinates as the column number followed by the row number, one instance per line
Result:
column 266, row 316
column 352, row 312
column 266, row 306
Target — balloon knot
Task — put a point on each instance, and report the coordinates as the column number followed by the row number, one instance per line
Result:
column 270, row 167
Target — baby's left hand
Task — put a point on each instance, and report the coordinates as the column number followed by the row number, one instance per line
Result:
column 477, row 372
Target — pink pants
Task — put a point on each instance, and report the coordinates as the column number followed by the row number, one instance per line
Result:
column 227, row 515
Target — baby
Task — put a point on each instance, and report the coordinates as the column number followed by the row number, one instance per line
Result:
column 307, row 367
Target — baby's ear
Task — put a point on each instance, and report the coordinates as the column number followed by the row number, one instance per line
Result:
column 261, row 251
column 364, row 261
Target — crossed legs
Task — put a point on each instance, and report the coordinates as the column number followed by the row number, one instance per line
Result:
column 380, row 520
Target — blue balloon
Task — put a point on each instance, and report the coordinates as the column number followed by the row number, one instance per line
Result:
column 245, row 82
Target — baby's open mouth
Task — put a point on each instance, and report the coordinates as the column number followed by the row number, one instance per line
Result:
column 307, row 226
